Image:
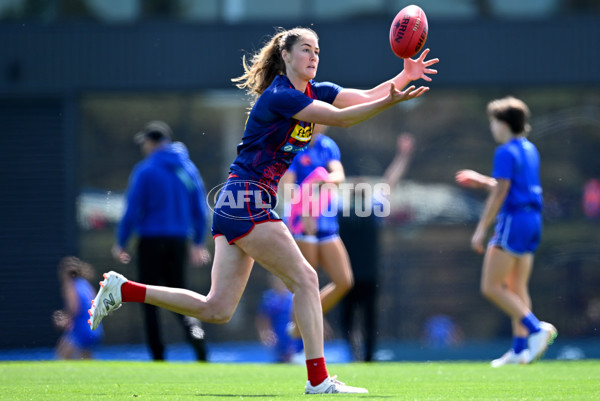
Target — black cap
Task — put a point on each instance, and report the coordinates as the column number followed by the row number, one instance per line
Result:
column 156, row 131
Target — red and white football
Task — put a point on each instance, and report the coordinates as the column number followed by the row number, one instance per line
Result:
column 408, row 32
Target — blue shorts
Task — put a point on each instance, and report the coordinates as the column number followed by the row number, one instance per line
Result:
column 518, row 232
column 319, row 238
column 240, row 205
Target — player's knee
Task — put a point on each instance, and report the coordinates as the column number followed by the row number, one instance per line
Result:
column 305, row 278
column 215, row 313
column 311, row 278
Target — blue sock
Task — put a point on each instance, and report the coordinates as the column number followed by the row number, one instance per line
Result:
column 519, row 344
column 531, row 322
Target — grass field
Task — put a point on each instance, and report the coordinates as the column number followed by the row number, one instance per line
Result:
column 99, row 380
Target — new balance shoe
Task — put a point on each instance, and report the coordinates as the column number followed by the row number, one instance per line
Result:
column 108, row 298
column 538, row 342
column 333, row 386
column 510, row 358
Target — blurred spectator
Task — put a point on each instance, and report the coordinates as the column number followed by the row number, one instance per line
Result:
column 274, row 313
column 360, row 233
column 165, row 205
column 593, row 316
column 77, row 339
column 440, row 331
column 591, row 199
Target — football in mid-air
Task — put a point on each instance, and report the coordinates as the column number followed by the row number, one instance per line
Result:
column 408, row 32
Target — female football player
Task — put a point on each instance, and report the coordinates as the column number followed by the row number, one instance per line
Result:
column 287, row 104
column 515, row 202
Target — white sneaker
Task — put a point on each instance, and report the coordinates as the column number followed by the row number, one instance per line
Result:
column 108, row 298
column 298, row 358
column 332, row 386
column 510, row 358
column 538, row 342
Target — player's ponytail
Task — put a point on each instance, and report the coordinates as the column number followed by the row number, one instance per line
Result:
column 267, row 63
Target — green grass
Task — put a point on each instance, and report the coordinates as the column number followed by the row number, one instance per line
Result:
column 103, row 380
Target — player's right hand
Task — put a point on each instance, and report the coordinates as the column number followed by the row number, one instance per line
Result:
column 120, row 255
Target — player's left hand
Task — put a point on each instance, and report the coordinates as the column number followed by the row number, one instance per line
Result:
column 120, row 254
column 199, row 255
column 477, row 241
column 409, row 93
column 405, row 143
column 419, row 68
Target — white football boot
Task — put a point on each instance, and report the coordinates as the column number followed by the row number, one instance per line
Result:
column 510, row 358
column 332, row 386
column 538, row 342
column 108, row 298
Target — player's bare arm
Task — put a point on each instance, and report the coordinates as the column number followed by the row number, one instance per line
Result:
column 413, row 69
column 492, row 206
column 324, row 113
column 473, row 179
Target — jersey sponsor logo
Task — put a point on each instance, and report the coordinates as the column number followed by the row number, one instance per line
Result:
column 302, row 134
column 299, row 138
column 289, row 148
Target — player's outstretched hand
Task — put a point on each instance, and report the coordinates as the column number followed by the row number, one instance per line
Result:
column 419, row 68
column 407, row 94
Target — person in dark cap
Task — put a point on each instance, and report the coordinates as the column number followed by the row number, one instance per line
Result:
column 166, row 209
column 154, row 131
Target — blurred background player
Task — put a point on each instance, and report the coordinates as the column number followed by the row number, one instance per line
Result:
column 165, row 206
column 515, row 202
column 274, row 314
column 361, row 235
column 313, row 217
column 78, row 339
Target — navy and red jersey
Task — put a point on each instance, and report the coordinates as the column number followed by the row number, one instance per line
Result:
column 272, row 137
